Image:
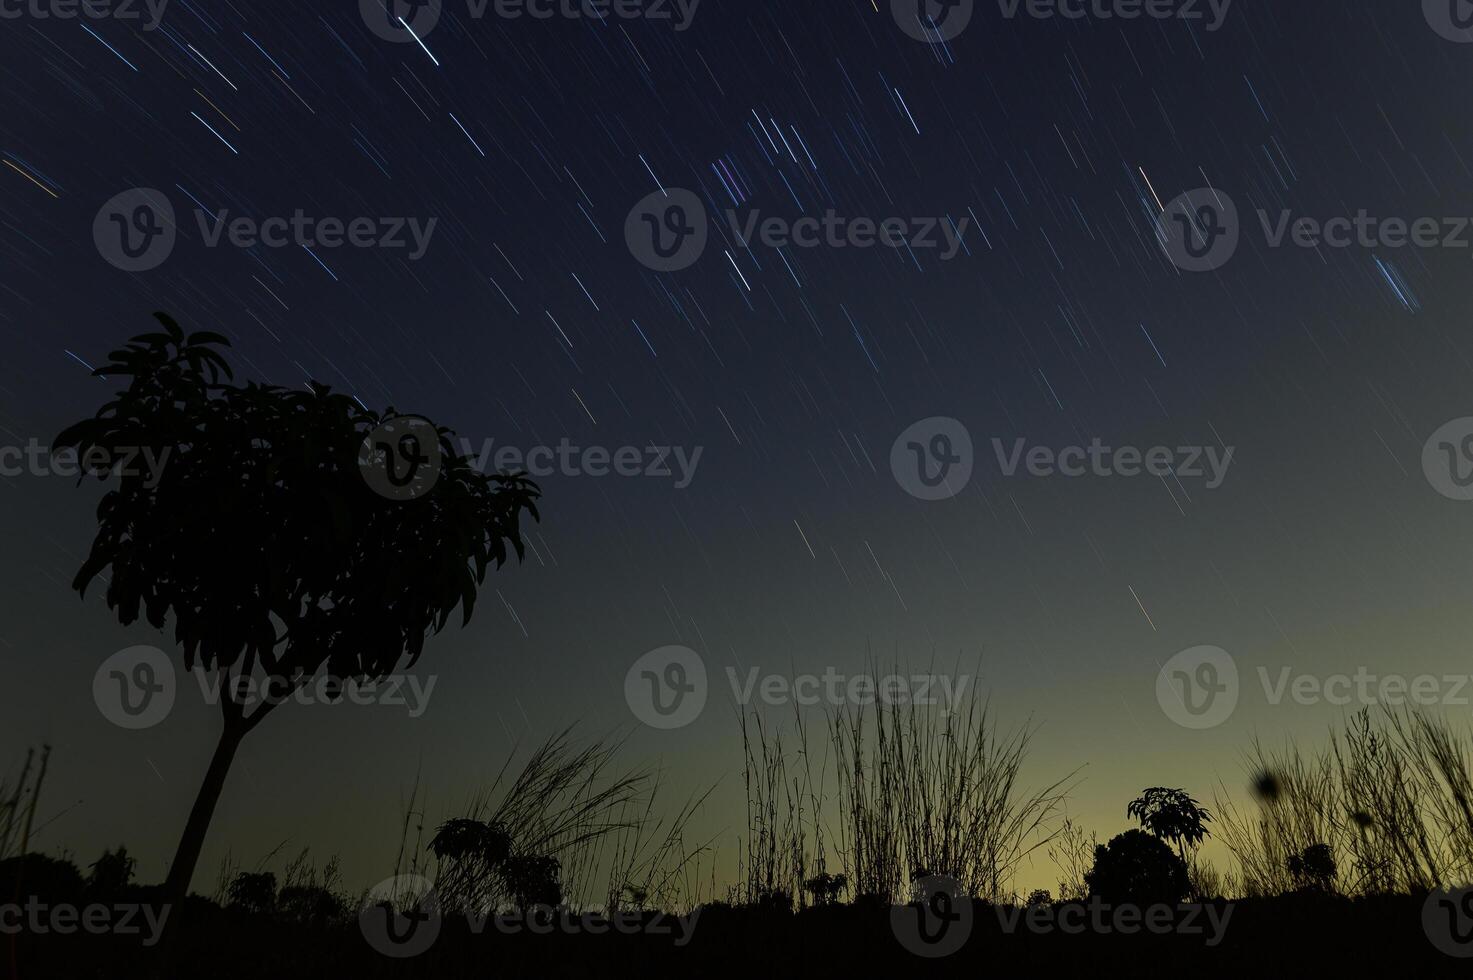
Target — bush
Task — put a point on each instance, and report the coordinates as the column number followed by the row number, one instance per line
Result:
column 534, row 880
column 310, row 905
column 253, row 894
column 1313, row 868
column 1136, row 868
column 49, row 879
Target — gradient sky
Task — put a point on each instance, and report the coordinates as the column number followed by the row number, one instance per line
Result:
column 794, row 548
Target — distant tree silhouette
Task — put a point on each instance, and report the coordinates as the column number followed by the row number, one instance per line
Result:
column 253, row 892
column 309, row 905
column 264, row 541
column 1139, row 869
column 112, row 873
column 1171, row 815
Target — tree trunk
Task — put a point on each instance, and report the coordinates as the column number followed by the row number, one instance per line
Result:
column 187, row 856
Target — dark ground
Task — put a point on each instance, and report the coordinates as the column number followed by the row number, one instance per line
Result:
column 1289, row 936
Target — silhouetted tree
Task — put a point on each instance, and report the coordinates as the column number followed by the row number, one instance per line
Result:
column 1137, row 868
column 262, row 538
column 1171, row 815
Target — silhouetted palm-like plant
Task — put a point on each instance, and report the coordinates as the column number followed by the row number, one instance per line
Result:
column 1171, row 815
column 262, row 539
column 462, row 840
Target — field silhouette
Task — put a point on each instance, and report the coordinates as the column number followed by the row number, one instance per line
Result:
column 297, row 534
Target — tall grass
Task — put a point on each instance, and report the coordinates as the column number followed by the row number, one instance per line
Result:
column 1073, row 852
column 301, row 876
column 1391, row 794
column 918, row 790
column 937, row 792
column 572, row 802
column 785, row 837
column 18, row 801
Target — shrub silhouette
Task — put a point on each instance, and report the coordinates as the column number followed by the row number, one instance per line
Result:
column 534, row 880
column 826, row 888
column 310, row 905
column 52, row 880
column 1136, row 868
column 262, row 539
column 1313, row 868
column 776, row 902
column 253, row 893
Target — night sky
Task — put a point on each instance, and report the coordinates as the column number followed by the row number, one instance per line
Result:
column 1052, row 144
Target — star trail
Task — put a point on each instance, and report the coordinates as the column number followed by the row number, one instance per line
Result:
column 727, row 252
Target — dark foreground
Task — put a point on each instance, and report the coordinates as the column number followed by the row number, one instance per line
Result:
column 1302, row 935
